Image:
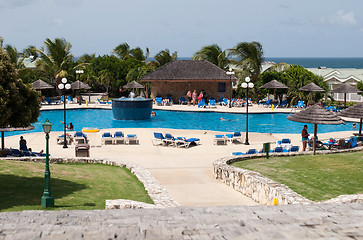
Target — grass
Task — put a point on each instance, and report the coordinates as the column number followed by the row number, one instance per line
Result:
column 318, row 177
column 74, row 186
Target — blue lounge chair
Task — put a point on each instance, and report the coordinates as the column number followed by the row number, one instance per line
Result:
column 283, row 103
column 225, row 102
column 234, row 136
column 131, row 138
column 212, row 103
column 201, row 104
column 220, row 101
column 159, row 101
column 119, row 137
column 70, row 99
column 50, row 101
column 220, row 139
column 186, row 142
column 169, row 140
column 182, row 101
column 277, row 150
column 107, row 138
column 250, row 151
column 300, row 104
column 158, row 139
column 80, row 137
column 294, row 149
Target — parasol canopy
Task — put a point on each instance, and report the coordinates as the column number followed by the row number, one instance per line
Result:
column 355, row 111
column 133, row 84
column 40, row 84
column 317, row 115
column 346, row 88
column 80, row 85
column 275, row 85
column 311, row 87
column 11, row 129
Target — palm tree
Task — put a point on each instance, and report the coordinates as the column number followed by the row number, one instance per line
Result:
column 123, row 51
column 249, row 58
column 214, row 54
column 55, row 58
column 16, row 57
column 163, row 57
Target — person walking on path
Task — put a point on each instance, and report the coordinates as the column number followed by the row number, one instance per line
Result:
column 22, row 144
column 305, row 135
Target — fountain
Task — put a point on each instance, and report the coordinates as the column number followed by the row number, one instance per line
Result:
column 132, row 108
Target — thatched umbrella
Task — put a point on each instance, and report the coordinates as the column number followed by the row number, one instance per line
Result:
column 317, row 115
column 311, row 87
column 346, row 88
column 40, row 84
column 78, row 85
column 355, row 111
column 11, row 129
column 133, row 84
column 275, row 85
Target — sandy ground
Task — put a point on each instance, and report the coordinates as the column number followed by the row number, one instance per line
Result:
column 187, row 174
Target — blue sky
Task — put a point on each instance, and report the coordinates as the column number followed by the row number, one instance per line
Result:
column 286, row 28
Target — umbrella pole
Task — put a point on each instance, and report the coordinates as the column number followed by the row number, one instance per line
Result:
column 360, row 127
column 345, row 100
column 314, row 140
column 274, row 93
column 3, row 138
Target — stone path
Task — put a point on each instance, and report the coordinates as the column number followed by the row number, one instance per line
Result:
column 317, row 221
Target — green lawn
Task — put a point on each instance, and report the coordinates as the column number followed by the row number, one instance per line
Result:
column 318, row 177
column 74, row 186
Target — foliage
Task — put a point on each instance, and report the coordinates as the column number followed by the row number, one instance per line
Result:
column 123, row 51
column 360, row 87
column 214, row 54
column 316, row 177
column 56, row 58
column 74, row 186
column 19, row 104
column 16, row 57
column 163, row 57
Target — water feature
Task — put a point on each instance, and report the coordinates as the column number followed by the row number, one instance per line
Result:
column 132, row 108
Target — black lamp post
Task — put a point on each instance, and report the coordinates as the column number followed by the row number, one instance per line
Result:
column 79, row 72
column 63, row 86
column 47, row 198
column 247, row 84
column 230, row 73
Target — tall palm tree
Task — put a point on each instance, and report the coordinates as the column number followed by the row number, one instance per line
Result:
column 214, row 54
column 55, row 58
column 163, row 57
column 249, row 57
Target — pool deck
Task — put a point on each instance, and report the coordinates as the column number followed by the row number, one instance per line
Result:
column 187, row 174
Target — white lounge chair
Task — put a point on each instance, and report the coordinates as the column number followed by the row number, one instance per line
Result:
column 131, row 138
column 107, row 138
column 220, row 139
column 119, row 138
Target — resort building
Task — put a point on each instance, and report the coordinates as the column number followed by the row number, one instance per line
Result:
column 178, row 77
column 336, row 77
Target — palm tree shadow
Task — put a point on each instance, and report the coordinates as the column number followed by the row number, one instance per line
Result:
column 24, row 191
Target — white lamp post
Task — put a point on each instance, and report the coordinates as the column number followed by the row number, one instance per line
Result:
column 247, row 84
column 63, row 86
column 79, row 72
column 230, row 73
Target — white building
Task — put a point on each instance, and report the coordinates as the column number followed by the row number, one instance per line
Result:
column 336, row 77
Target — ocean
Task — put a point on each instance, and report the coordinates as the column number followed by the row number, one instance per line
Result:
column 315, row 62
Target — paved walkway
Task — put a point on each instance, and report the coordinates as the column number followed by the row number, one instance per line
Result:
column 328, row 221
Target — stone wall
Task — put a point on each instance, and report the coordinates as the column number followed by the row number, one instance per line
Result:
column 180, row 89
column 156, row 192
column 264, row 190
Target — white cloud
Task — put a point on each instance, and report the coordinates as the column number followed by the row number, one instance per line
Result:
column 58, row 22
column 340, row 18
column 14, row 3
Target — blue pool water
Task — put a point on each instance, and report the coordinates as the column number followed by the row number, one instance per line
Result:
column 102, row 118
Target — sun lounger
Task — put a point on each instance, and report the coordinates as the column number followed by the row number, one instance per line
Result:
column 201, row 104
column 60, row 139
column 182, row 101
column 80, row 138
column 50, row 101
column 107, row 138
column 159, row 101
column 158, row 139
column 119, row 138
column 131, row 138
column 234, row 136
column 186, row 142
column 212, row 103
column 250, row 151
column 101, row 102
column 169, row 140
column 277, row 150
column 220, row 139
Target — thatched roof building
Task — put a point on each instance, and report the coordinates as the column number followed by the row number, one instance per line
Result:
column 180, row 76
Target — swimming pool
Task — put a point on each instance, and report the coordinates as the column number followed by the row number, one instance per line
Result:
column 103, row 118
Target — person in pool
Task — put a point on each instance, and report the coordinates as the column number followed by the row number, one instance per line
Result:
column 305, row 135
column 153, row 114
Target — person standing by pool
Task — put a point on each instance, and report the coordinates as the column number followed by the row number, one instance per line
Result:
column 194, row 97
column 22, row 144
column 189, row 97
column 200, row 97
column 305, row 135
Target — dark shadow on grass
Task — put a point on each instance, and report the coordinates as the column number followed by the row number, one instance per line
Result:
column 27, row 191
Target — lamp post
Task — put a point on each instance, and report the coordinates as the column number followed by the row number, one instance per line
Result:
column 63, row 86
column 230, row 73
column 247, row 84
column 47, row 198
column 79, row 72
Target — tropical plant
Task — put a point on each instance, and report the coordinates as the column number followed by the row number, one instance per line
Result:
column 19, row 104
column 249, row 58
column 123, row 51
column 16, row 57
column 214, row 54
column 163, row 57
column 55, row 58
